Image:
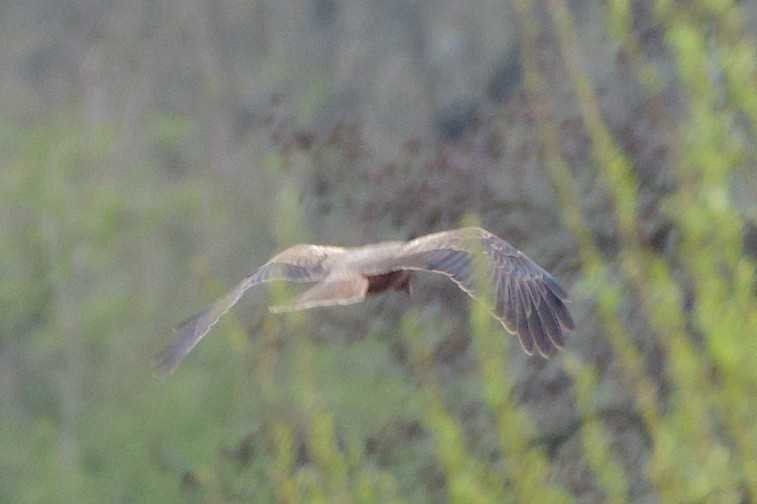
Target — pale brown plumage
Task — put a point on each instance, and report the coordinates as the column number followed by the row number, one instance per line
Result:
column 527, row 300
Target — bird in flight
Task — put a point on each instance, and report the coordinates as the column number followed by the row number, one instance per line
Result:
column 527, row 300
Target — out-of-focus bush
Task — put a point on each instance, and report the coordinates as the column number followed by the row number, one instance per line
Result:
column 141, row 175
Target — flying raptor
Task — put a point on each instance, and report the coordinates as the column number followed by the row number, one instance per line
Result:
column 527, row 300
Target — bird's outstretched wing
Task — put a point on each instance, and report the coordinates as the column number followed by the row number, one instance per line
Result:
column 301, row 263
column 527, row 300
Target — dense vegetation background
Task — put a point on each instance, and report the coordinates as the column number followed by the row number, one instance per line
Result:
column 153, row 152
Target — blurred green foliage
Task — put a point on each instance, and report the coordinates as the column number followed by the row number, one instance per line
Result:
column 98, row 259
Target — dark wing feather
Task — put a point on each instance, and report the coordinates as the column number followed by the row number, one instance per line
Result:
column 301, row 263
column 527, row 300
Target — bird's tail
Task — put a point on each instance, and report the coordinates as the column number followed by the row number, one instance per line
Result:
column 342, row 291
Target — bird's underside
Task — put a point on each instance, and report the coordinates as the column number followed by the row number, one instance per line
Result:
column 527, row 300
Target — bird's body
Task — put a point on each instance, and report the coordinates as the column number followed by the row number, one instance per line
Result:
column 396, row 280
column 527, row 300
